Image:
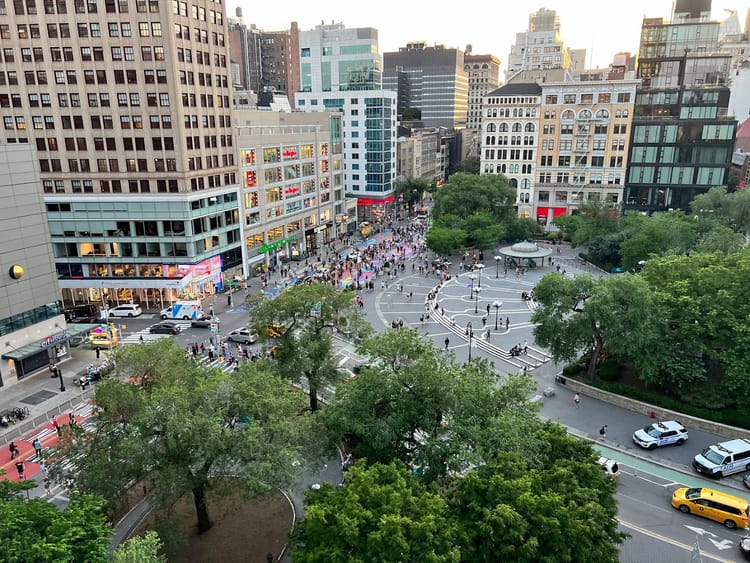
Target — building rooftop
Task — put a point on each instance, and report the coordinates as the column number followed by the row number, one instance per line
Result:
column 515, row 89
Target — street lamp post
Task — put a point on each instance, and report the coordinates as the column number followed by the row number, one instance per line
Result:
column 479, row 268
column 472, row 277
column 62, row 383
column 470, row 334
column 497, row 264
column 476, row 299
column 497, row 305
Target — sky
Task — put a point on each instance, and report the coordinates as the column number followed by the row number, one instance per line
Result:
column 601, row 28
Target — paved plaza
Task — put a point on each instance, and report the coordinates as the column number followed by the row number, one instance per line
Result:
column 463, row 302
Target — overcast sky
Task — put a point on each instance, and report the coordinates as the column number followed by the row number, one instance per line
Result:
column 601, row 27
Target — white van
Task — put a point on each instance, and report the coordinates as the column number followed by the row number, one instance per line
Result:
column 185, row 310
column 724, row 458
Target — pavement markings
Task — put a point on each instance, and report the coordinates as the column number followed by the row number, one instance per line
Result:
column 145, row 336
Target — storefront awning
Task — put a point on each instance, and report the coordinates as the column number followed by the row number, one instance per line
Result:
column 33, row 349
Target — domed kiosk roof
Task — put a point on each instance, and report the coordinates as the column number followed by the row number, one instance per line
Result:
column 525, row 249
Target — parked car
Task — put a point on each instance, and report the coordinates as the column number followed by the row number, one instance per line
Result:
column 164, row 328
column 204, row 321
column 128, row 310
column 661, row 434
column 242, row 335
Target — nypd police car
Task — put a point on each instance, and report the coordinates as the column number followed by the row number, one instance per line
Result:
column 661, row 433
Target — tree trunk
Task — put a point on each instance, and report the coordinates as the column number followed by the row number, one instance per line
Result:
column 591, row 370
column 201, row 509
column 313, row 394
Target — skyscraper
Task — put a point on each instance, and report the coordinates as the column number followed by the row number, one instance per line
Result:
column 128, row 106
column 681, row 138
column 540, row 51
column 432, row 80
column 484, row 77
column 340, row 70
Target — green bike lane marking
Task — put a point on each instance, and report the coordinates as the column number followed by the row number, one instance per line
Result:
column 672, row 475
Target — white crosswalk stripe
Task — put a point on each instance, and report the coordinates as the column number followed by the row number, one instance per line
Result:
column 145, row 336
column 215, row 363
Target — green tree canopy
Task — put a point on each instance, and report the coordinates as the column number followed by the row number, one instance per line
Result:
column 662, row 233
column 416, row 404
column 309, row 314
column 470, row 165
column 563, row 510
column 381, row 514
column 181, row 429
column 140, row 549
column 411, row 190
column 585, row 315
column 35, row 530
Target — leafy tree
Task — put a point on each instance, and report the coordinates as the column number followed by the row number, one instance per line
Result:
column 470, row 165
column 615, row 314
column 563, row 510
column 382, row 514
column 180, row 431
column 411, row 190
column 663, row 233
column 467, row 194
column 35, row 530
column 309, row 314
column 446, row 241
column 415, row 404
column 704, row 303
column 140, row 549
column 721, row 239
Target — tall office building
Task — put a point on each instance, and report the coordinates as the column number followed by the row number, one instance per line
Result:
column 128, row 106
column 539, row 52
column 432, row 80
column 340, row 70
column 682, row 138
column 32, row 325
column 484, row 77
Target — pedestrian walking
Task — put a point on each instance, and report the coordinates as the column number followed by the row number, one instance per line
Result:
column 576, row 400
column 525, row 347
column 447, row 342
column 52, row 370
column 484, row 321
column 140, row 339
column 507, row 323
column 71, row 419
column 98, row 352
column 488, row 308
column 603, row 432
column 56, row 426
column 13, row 450
column 20, row 468
column 37, row 447
column 421, row 319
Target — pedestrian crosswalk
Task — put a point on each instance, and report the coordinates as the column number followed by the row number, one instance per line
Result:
column 204, row 361
column 145, row 336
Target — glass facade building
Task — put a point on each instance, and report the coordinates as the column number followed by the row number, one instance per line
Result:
column 681, row 137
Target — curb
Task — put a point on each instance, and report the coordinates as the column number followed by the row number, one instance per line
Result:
column 651, row 411
column 288, row 498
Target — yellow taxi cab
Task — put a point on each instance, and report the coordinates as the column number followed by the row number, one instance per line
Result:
column 727, row 509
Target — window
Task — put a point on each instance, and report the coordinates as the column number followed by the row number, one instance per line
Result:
column 143, row 29
column 623, row 98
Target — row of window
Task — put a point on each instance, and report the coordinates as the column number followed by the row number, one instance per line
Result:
column 513, row 140
column 40, row 77
column 566, row 177
column 515, row 128
column 198, row 12
column 135, row 164
column 587, row 98
column 131, row 143
column 30, row 7
column 562, row 196
column 511, row 112
column 136, row 186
